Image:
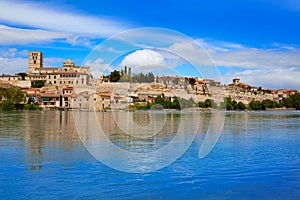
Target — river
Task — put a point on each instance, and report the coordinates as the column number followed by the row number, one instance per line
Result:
column 52, row 155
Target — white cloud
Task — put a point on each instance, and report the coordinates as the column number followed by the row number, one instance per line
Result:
column 192, row 53
column 11, row 52
column 13, row 65
column 10, row 35
column 53, row 17
column 98, row 67
column 235, row 55
column 53, row 62
column 143, row 58
column 277, row 67
column 44, row 22
column 271, row 79
column 257, row 58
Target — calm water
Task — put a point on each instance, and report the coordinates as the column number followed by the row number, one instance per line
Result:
column 256, row 157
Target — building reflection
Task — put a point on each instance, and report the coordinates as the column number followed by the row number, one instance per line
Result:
column 45, row 130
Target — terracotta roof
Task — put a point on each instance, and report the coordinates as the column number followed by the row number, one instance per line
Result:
column 68, row 95
column 9, row 76
column 33, row 89
column 62, row 72
column 31, row 94
column 35, row 75
column 68, row 88
column 49, row 95
column 104, row 94
column 49, row 68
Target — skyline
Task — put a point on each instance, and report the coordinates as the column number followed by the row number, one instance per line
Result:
column 256, row 41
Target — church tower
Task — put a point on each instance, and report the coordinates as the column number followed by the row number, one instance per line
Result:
column 35, row 61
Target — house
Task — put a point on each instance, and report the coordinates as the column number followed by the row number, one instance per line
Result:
column 33, row 95
column 15, row 80
column 172, row 82
column 236, row 81
column 50, row 100
column 92, row 101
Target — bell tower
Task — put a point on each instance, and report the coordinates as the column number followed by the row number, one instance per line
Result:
column 35, row 61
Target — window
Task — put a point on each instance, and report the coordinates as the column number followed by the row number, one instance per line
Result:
column 54, row 77
column 34, row 61
column 54, row 82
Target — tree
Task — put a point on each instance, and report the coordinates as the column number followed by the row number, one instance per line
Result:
column 7, row 105
column 125, row 70
column 233, row 104
column 229, row 103
column 23, row 75
column 255, row 105
column 37, row 84
column 241, row 106
column 192, row 81
column 10, row 97
column 292, row 101
column 15, row 95
column 268, row 104
column 209, row 103
column 114, row 76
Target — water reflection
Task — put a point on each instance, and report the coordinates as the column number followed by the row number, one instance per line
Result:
column 138, row 142
column 39, row 130
column 42, row 156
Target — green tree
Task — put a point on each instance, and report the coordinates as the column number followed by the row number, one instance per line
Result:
column 7, row 105
column 255, row 105
column 37, row 84
column 201, row 104
column 241, row 106
column 114, row 76
column 192, row 81
column 268, row 104
column 292, row 101
column 23, row 75
column 209, row 103
column 10, row 97
column 15, row 95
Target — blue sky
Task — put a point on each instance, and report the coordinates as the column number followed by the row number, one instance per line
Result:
column 255, row 40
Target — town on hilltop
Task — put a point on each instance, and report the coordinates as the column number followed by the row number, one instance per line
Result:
column 73, row 87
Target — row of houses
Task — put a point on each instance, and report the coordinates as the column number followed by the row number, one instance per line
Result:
column 67, row 99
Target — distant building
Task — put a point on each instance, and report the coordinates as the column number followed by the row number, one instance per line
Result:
column 236, row 81
column 35, row 61
column 15, row 80
column 68, row 75
column 92, row 101
column 172, row 82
